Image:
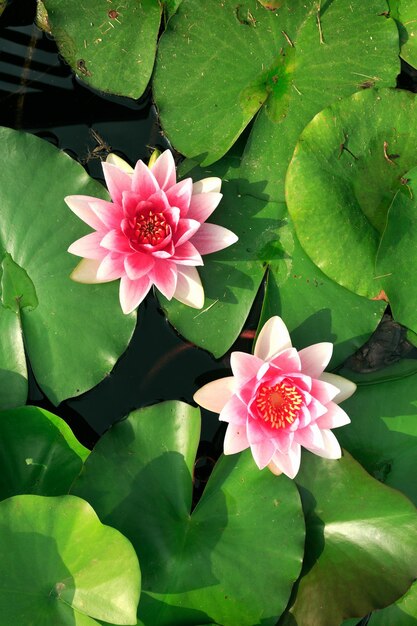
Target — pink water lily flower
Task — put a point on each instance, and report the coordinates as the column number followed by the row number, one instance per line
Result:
column 154, row 232
column 278, row 400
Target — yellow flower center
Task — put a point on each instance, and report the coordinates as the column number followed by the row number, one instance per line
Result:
column 278, row 405
column 151, row 228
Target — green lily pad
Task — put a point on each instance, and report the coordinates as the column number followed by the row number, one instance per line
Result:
column 109, row 45
column 397, row 253
column 405, row 12
column 73, row 333
column 38, row 453
column 240, row 57
column 361, row 543
column 13, row 372
column 383, row 432
column 231, row 278
column 346, row 169
column 60, row 565
column 402, row 613
column 195, row 565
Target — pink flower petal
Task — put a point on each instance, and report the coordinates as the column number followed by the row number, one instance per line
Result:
column 235, row 439
column 202, row 205
column 144, row 182
column 216, row 394
column 334, row 417
column 80, row 205
column 346, row 387
column 324, row 392
column 287, row 360
column 137, row 265
column 206, row 185
column 116, row 241
column 315, row 358
column 189, row 289
column 234, row 411
column 109, row 213
column 330, row 448
column 244, row 366
column 255, row 431
column 117, row 181
column 86, row 272
column 289, row 464
column 133, row 292
column 111, row 267
column 262, row 453
column 164, row 170
column 180, row 195
column 187, row 254
column 212, row 238
column 89, row 246
column 164, row 277
column 309, row 437
column 272, row 339
column 185, row 230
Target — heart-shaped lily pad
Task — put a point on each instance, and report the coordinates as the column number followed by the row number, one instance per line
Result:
column 73, row 333
column 383, row 432
column 347, row 167
column 38, row 453
column 109, row 44
column 358, row 533
column 60, row 565
column 291, row 61
column 195, row 565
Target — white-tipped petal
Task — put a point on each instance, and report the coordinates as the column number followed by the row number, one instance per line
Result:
column 80, row 205
column 315, row 358
column 189, row 289
column 207, row 185
column 273, row 338
column 346, row 387
column 331, row 447
column 86, row 272
column 334, row 418
column 216, row 394
column 289, row 463
column 235, row 439
column 113, row 159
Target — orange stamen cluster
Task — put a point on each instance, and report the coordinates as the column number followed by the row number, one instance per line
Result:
column 151, row 228
column 278, row 405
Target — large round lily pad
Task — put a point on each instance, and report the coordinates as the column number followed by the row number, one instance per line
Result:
column 38, row 453
column 361, row 543
column 347, row 167
column 73, row 333
column 195, row 564
column 59, row 565
column 110, row 45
